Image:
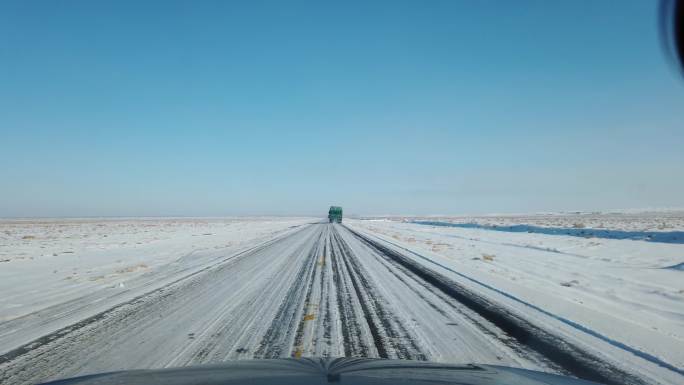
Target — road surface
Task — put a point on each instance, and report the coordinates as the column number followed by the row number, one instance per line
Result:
column 324, row 290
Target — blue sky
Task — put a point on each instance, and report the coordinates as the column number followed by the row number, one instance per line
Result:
column 128, row 108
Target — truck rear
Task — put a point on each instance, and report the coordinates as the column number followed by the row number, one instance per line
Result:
column 335, row 214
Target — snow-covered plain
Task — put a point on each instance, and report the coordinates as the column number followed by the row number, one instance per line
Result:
column 624, row 220
column 86, row 296
column 46, row 262
column 625, row 291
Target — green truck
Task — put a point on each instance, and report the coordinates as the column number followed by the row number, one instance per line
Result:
column 335, row 214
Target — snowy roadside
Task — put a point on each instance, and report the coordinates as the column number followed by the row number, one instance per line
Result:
column 56, row 272
column 621, row 221
column 618, row 288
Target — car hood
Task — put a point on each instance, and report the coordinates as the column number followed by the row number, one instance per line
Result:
column 338, row 371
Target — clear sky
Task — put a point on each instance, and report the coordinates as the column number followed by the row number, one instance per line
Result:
column 129, row 108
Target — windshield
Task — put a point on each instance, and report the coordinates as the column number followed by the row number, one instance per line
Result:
column 460, row 182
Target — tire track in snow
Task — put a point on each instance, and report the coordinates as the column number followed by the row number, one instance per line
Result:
column 259, row 305
column 355, row 344
column 571, row 358
column 391, row 338
column 281, row 335
column 440, row 303
column 635, row 351
column 80, row 347
column 312, row 301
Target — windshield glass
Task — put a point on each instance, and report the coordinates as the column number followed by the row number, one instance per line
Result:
column 460, row 182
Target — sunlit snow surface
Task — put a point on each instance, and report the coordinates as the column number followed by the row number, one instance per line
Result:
column 49, row 261
column 625, row 290
column 134, row 293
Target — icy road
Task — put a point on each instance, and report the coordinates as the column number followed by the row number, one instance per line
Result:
column 319, row 290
